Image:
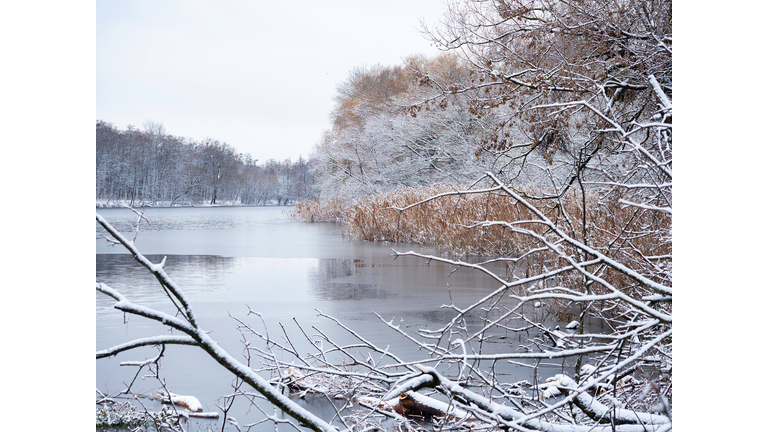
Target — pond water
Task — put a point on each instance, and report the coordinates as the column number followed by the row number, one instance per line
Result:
column 229, row 260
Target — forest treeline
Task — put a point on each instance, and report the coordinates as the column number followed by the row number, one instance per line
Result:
column 376, row 143
column 150, row 168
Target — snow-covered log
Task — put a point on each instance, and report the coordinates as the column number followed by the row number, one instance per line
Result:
column 603, row 413
column 481, row 405
column 190, row 403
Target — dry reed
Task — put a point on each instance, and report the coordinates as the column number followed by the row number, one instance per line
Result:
column 450, row 223
column 328, row 210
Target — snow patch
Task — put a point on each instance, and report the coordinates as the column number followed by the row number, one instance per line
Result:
column 189, row 402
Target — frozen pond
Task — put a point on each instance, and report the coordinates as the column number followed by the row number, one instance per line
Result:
column 230, row 259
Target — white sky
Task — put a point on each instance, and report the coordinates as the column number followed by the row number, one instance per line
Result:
column 258, row 76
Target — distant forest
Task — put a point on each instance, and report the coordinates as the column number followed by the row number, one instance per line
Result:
column 149, row 167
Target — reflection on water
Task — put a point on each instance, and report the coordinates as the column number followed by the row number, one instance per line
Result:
column 190, row 218
column 193, row 272
column 327, row 281
column 230, row 261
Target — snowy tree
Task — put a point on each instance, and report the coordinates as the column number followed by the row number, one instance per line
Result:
column 378, row 143
column 151, row 167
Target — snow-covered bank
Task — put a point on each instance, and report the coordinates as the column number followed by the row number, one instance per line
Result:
column 168, row 204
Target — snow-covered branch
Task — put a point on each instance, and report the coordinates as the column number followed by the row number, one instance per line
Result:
column 196, row 336
column 149, row 341
column 173, row 291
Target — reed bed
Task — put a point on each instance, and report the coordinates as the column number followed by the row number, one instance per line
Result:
column 442, row 222
column 328, row 210
column 452, row 223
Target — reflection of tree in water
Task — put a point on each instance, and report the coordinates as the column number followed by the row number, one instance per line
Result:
column 325, row 284
column 125, row 222
column 128, row 225
column 196, row 273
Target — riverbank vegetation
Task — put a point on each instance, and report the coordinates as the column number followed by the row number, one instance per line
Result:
column 543, row 138
column 451, row 218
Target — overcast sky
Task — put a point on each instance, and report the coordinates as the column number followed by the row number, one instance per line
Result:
column 260, row 76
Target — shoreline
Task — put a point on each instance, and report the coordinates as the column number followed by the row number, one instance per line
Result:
column 168, row 205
